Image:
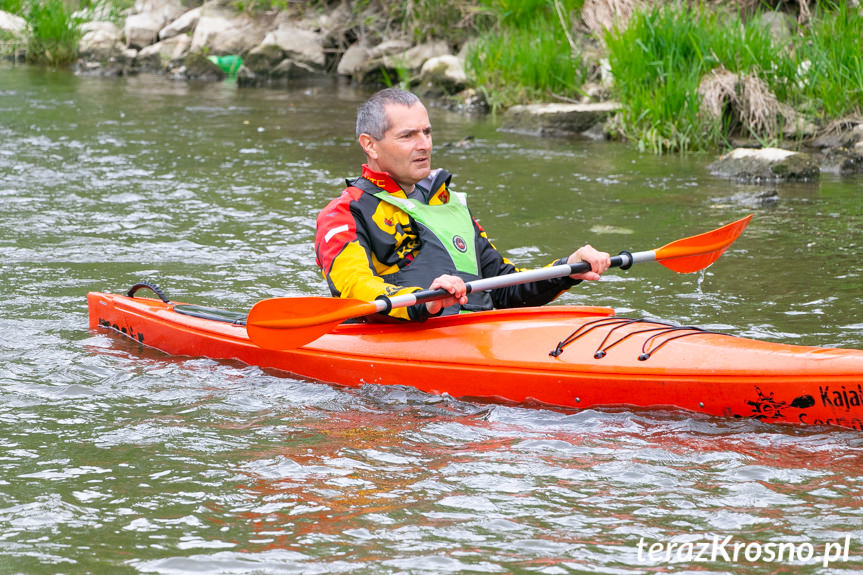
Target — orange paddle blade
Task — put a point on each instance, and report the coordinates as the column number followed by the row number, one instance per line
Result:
column 695, row 253
column 287, row 323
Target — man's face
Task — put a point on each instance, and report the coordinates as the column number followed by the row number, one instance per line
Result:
column 405, row 150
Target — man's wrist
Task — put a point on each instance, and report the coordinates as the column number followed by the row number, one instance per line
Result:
column 567, row 279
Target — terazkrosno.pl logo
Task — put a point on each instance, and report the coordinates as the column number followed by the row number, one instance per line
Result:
column 726, row 549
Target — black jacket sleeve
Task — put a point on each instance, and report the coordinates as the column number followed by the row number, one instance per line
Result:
column 492, row 263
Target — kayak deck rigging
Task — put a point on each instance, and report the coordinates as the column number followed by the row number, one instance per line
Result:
column 648, row 348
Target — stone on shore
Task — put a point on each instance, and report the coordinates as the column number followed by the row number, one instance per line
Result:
column 556, row 119
column 842, row 133
column 102, row 52
column 262, row 59
column 246, row 77
column 197, row 66
column 100, row 41
column 142, row 27
column 469, row 101
column 842, row 148
column 442, row 75
column 164, row 54
column 386, row 60
column 222, row 31
column 766, row 165
column 353, row 60
column 12, row 25
column 297, row 44
column 286, row 52
column 415, row 57
column 182, row 25
column 291, row 70
column 389, row 47
column 13, row 31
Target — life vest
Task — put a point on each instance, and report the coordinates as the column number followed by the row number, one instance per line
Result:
column 447, row 243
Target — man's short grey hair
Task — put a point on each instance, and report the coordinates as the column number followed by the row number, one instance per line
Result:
column 372, row 116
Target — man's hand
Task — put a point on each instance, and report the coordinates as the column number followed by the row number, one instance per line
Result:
column 599, row 262
column 455, row 286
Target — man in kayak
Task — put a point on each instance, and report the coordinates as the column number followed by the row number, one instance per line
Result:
column 398, row 228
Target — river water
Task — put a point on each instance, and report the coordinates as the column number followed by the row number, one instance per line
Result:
column 117, row 460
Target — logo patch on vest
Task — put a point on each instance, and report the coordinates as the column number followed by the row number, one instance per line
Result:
column 459, row 243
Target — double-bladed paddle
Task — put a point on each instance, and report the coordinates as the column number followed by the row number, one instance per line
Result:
column 287, row 323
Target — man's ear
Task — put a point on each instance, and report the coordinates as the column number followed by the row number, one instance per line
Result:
column 367, row 143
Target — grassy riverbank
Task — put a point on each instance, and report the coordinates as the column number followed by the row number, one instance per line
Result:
column 689, row 78
column 692, row 79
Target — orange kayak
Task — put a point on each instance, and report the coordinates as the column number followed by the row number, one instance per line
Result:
column 555, row 356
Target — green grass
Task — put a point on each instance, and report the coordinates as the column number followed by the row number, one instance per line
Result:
column 830, row 57
column 259, row 5
column 54, row 35
column 746, row 47
column 102, row 10
column 455, row 21
column 526, row 54
column 657, row 63
column 519, row 13
column 13, row 6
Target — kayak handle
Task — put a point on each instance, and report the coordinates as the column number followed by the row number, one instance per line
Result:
column 150, row 286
